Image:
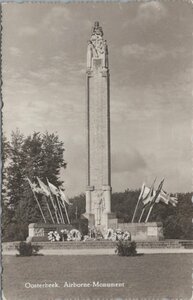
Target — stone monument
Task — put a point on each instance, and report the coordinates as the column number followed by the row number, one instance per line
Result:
column 98, row 191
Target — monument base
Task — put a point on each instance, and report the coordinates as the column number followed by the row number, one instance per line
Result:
column 38, row 232
column 152, row 231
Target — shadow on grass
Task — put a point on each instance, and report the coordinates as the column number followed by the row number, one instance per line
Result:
column 34, row 254
column 137, row 254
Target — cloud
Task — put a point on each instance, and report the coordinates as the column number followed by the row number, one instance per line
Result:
column 58, row 14
column 147, row 14
column 14, row 51
column 127, row 160
column 148, row 52
column 151, row 51
column 151, row 12
column 28, row 31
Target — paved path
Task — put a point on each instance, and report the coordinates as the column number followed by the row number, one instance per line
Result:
column 103, row 251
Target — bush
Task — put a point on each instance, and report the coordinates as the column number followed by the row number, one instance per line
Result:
column 27, row 249
column 126, row 248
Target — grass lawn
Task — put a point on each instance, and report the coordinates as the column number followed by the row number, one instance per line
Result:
column 157, row 276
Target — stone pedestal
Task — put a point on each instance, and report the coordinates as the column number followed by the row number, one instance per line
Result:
column 38, row 232
column 151, row 231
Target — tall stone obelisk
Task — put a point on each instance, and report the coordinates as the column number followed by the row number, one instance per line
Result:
column 98, row 191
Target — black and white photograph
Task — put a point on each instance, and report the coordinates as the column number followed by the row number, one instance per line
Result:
column 97, row 199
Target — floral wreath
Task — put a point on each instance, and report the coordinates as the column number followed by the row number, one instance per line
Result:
column 109, row 234
column 126, row 236
column 74, row 235
column 53, row 236
column 118, row 234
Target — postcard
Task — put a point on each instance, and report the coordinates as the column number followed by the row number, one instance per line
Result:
column 97, row 150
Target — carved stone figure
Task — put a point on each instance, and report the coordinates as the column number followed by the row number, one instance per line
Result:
column 97, row 48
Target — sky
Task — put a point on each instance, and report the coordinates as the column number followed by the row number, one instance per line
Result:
column 150, row 57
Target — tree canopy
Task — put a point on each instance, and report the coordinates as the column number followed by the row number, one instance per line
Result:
column 31, row 156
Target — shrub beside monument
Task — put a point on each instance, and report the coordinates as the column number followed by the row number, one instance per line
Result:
column 27, row 249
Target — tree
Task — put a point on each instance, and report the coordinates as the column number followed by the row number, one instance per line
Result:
column 124, row 203
column 35, row 155
column 78, row 207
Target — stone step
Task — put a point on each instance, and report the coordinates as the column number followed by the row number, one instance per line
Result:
column 102, row 244
column 187, row 244
column 72, row 245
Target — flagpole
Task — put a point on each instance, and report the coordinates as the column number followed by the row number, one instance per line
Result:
column 141, row 215
column 61, row 215
column 64, row 200
column 148, row 196
column 66, row 212
column 49, row 210
column 58, row 209
column 140, row 195
column 154, row 199
column 135, row 210
column 52, row 200
column 37, row 202
column 55, row 209
column 39, row 207
column 150, row 210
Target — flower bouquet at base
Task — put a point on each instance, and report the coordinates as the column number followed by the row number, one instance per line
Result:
column 53, row 236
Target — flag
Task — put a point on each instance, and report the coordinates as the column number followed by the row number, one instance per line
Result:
column 148, row 194
column 149, row 197
column 163, row 197
column 158, row 191
column 33, row 186
column 44, row 188
column 53, row 189
column 173, row 201
column 166, row 198
column 64, row 197
column 142, row 191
